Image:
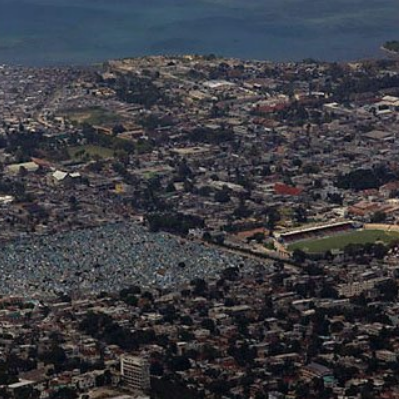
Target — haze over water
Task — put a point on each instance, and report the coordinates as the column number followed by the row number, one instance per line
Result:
column 46, row 32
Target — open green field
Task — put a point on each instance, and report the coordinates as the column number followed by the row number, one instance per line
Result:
column 90, row 151
column 95, row 116
column 339, row 242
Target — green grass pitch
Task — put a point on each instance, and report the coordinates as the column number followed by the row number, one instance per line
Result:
column 340, row 241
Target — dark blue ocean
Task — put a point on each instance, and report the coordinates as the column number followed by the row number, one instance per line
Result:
column 46, row 32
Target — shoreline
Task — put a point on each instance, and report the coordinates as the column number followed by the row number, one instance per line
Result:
column 97, row 63
column 390, row 52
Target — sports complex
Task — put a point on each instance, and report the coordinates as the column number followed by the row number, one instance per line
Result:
column 336, row 236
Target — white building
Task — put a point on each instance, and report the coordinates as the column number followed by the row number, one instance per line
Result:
column 135, row 372
column 357, row 287
column 386, row 356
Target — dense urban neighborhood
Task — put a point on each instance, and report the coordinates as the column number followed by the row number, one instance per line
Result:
column 199, row 227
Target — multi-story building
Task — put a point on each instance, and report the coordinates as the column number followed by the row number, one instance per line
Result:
column 357, row 287
column 135, row 373
column 386, row 355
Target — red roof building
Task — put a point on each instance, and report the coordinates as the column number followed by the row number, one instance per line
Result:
column 285, row 189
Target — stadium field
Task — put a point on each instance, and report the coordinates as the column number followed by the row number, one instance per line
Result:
column 340, row 241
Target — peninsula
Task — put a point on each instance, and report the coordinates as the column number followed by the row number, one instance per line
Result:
column 391, row 46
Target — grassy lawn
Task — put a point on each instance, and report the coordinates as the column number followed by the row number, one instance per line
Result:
column 342, row 240
column 90, row 151
column 150, row 175
column 95, row 116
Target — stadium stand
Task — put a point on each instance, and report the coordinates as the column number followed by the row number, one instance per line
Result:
column 315, row 232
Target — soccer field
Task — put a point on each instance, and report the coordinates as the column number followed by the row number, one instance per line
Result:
column 342, row 240
column 90, row 151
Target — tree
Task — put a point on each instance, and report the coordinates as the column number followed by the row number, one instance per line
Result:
column 362, row 179
column 389, row 290
column 353, row 390
column 65, row 393
column 208, row 324
column 7, row 375
column 4, row 394
column 299, row 256
column 73, row 203
column 184, row 171
column 27, row 393
column 231, row 273
column 242, row 354
column 174, row 222
column 273, row 216
column 378, row 217
column 328, row 291
column 56, row 355
column 242, row 211
column 179, row 363
column 335, row 198
column 186, row 320
column 140, row 90
column 300, row 215
column 170, row 188
column 200, row 287
column 367, row 391
column 379, row 250
column 156, row 369
column 259, row 237
column 117, row 129
column 219, row 387
column 302, row 391
column 223, row 195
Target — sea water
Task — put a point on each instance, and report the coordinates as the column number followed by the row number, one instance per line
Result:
column 54, row 32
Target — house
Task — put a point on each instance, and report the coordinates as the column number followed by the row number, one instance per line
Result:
column 59, row 177
column 285, row 189
column 16, row 168
column 316, row 370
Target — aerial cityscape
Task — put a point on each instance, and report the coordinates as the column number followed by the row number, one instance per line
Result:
column 193, row 221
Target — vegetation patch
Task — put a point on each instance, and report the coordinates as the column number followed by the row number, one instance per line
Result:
column 90, row 151
column 95, row 116
column 392, row 45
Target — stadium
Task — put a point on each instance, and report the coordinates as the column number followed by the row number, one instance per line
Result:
column 335, row 236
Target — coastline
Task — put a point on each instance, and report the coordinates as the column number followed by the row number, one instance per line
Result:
column 390, row 52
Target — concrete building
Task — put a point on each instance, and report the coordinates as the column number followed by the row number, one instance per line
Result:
column 135, row 372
